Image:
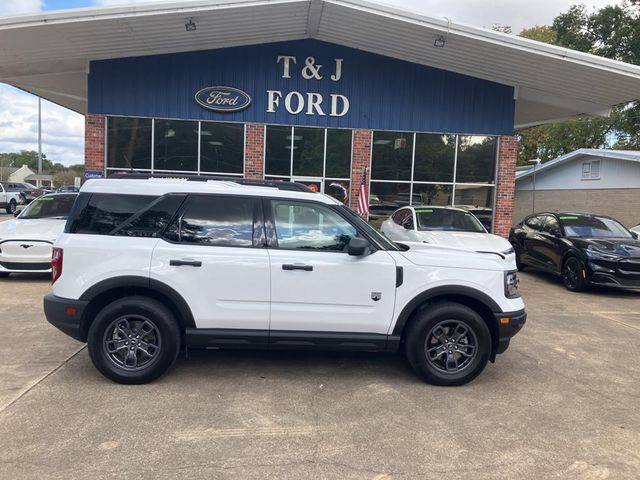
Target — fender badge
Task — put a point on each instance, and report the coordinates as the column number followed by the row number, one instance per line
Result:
column 375, row 296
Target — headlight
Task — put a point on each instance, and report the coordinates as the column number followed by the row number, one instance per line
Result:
column 597, row 254
column 511, row 284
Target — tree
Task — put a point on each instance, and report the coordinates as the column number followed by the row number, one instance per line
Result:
column 612, row 32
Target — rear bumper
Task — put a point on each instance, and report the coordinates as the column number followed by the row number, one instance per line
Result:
column 25, row 256
column 65, row 314
column 509, row 324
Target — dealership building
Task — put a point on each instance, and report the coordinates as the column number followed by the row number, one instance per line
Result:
column 326, row 92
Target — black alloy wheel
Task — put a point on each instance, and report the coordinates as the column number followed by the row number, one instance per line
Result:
column 451, row 346
column 573, row 275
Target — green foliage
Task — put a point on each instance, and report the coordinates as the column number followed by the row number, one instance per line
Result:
column 612, row 32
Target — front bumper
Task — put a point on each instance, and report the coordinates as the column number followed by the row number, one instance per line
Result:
column 65, row 314
column 508, row 325
column 624, row 273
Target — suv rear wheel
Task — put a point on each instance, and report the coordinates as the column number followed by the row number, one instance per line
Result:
column 448, row 344
column 134, row 340
column 12, row 207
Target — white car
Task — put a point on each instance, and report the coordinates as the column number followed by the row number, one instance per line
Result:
column 146, row 266
column 636, row 229
column 26, row 241
column 446, row 226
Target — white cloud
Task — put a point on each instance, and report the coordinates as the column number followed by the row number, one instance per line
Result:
column 19, row 7
column 62, row 129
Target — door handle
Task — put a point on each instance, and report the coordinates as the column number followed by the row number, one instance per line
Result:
column 297, row 266
column 190, row 263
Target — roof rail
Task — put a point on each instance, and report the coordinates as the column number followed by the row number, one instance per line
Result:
column 279, row 184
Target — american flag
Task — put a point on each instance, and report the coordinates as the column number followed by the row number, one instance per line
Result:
column 363, row 199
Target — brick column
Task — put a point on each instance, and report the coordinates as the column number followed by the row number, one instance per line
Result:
column 254, row 151
column 94, row 126
column 361, row 159
column 505, row 190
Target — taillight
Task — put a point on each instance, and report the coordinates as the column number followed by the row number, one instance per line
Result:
column 34, row 192
column 56, row 264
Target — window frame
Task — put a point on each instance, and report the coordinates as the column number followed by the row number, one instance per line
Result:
column 590, row 175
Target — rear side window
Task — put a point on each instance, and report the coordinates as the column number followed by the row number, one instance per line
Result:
column 151, row 221
column 534, row 222
column 102, row 214
column 214, row 221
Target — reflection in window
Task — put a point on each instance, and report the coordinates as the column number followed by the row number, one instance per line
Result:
column 385, row 198
column 476, row 159
column 308, row 151
column 222, row 147
column 176, row 145
column 310, row 227
column 129, row 143
column 435, row 155
column 338, row 189
column 338, row 153
column 154, row 219
column 432, row 194
column 216, row 221
column 477, row 200
column 391, row 157
column 105, row 212
column 277, row 159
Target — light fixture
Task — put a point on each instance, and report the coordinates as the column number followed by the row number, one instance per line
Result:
column 190, row 26
column 215, row 143
column 170, row 133
column 295, row 137
column 439, row 42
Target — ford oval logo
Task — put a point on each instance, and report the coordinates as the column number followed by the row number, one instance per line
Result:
column 223, row 99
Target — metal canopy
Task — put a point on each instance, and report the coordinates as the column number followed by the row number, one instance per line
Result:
column 48, row 54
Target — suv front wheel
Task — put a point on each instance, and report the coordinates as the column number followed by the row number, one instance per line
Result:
column 448, row 344
column 134, row 340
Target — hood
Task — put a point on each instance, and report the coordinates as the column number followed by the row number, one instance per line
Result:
column 623, row 247
column 427, row 254
column 479, row 242
column 35, row 229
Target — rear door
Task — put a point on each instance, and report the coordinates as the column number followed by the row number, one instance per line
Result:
column 213, row 254
column 316, row 286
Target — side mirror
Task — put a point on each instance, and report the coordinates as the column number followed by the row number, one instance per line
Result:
column 634, row 235
column 357, row 246
column 408, row 225
column 556, row 233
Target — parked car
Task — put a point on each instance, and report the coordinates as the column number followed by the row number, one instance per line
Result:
column 221, row 264
column 447, row 226
column 484, row 214
column 26, row 241
column 67, row 189
column 9, row 200
column 582, row 248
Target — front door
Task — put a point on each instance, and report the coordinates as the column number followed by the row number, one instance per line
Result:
column 315, row 284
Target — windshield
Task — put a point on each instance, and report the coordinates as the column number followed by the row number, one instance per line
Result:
column 54, row 206
column 590, row 227
column 381, row 239
column 447, row 220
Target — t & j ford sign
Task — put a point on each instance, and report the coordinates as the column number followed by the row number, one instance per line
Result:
column 304, row 82
column 223, row 99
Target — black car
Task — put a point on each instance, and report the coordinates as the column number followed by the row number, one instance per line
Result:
column 583, row 249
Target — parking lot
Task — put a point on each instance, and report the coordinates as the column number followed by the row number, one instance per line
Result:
column 562, row 402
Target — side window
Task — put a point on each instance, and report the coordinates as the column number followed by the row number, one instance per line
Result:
column 102, row 214
column 399, row 216
column 214, row 221
column 534, row 223
column 153, row 220
column 551, row 225
column 305, row 226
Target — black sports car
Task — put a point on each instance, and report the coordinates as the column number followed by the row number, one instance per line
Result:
column 584, row 249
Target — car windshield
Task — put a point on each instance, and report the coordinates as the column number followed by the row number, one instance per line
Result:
column 49, row 206
column 590, row 227
column 447, row 219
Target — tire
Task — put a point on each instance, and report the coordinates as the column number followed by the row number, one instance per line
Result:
column 12, row 207
column 438, row 320
column 134, row 359
column 572, row 275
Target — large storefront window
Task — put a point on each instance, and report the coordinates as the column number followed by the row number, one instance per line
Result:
column 317, row 157
column 432, row 169
column 158, row 145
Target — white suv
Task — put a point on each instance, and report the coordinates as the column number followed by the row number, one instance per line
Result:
column 146, row 266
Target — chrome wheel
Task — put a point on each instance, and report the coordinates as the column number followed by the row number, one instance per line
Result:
column 451, row 346
column 132, row 342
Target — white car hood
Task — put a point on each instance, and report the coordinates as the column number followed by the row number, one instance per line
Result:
column 444, row 256
column 479, row 242
column 32, row 229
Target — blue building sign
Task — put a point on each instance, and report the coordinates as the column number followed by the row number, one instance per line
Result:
column 306, row 83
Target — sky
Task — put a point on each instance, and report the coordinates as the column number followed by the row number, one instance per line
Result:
column 63, row 130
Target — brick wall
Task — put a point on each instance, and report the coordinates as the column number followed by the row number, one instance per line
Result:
column 254, row 151
column 361, row 160
column 505, row 190
column 94, row 126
